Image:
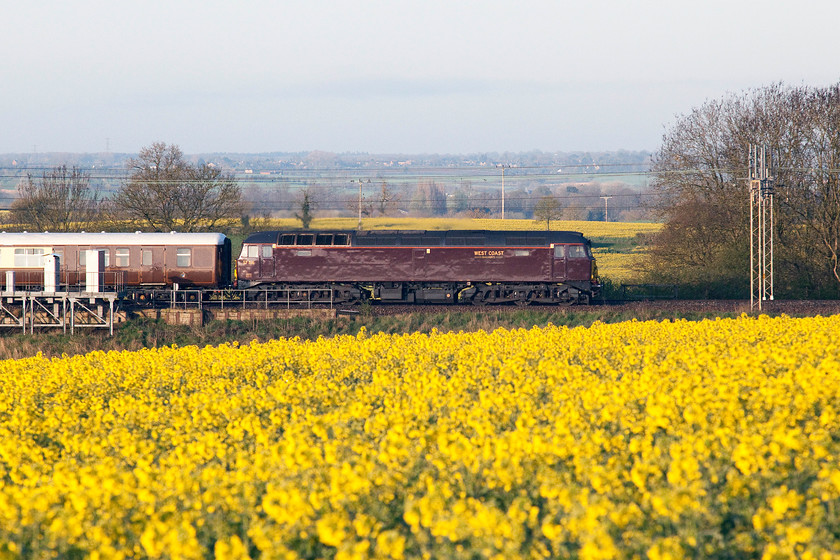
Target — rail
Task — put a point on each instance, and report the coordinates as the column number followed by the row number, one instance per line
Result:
column 649, row 291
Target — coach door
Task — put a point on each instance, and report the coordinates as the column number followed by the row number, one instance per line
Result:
column 152, row 270
column 558, row 262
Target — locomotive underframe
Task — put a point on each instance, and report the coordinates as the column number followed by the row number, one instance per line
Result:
column 520, row 293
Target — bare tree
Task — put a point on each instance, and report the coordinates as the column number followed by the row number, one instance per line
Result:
column 59, row 200
column 164, row 192
column 429, row 199
column 810, row 181
column 703, row 200
column 386, row 200
column 207, row 198
column 547, row 209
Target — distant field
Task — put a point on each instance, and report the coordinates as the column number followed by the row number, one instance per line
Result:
column 620, row 267
column 590, row 229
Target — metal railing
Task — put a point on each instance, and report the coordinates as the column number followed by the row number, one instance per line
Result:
column 70, row 281
column 297, row 298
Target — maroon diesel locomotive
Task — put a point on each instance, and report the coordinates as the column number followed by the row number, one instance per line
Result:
column 478, row 267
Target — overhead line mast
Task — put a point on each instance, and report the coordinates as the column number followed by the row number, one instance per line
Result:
column 761, row 179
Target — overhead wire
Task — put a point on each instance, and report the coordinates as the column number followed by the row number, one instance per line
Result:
column 478, row 177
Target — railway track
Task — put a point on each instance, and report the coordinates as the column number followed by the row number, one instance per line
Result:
column 790, row 307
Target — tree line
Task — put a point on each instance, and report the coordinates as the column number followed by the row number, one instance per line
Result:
column 702, row 194
column 164, row 191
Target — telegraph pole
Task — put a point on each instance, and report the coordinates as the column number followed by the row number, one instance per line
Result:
column 606, row 198
column 761, row 177
column 503, row 165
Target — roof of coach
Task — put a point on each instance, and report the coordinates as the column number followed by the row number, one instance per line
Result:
column 392, row 237
column 106, row 238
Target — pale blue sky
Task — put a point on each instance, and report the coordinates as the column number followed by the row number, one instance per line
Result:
column 409, row 76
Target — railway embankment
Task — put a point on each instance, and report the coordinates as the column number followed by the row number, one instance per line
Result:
column 200, row 317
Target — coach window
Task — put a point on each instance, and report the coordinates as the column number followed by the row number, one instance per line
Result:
column 183, row 257
column 122, row 256
column 323, row 239
column 107, row 255
column 559, row 251
column 146, row 257
column 340, row 239
column 577, row 252
column 267, row 251
column 82, row 258
column 305, row 239
column 27, row 257
column 287, row 239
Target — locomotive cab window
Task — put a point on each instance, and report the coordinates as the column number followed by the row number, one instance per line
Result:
column 251, row 251
column 183, row 257
column 559, row 251
column 266, row 251
column 577, row 252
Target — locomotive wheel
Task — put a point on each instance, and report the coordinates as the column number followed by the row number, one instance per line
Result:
column 568, row 301
column 524, row 301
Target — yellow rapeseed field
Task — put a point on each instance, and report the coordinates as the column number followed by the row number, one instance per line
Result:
column 632, row 440
column 620, row 267
column 589, row 229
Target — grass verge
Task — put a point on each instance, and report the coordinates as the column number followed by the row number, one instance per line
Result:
column 147, row 333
